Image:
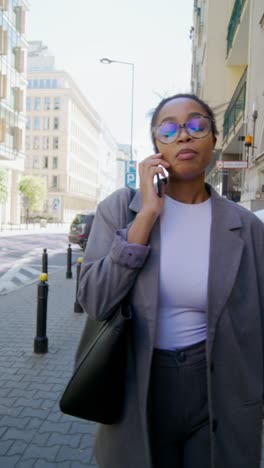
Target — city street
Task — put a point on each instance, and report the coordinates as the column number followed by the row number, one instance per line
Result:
column 21, row 257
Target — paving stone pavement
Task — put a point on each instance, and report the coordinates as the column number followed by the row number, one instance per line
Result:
column 33, row 431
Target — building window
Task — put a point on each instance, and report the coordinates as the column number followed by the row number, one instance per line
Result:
column 28, row 103
column 54, row 181
column 47, row 103
column 47, row 84
column 36, row 164
column 42, row 84
column 55, row 162
column 37, row 103
column 27, row 143
column 55, row 142
column 46, row 123
column 46, row 162
column 56, row 103
column 56, row 123
column 54, row 84
column 45, row 142
column 28, row 123
column 36, row 142
column 36, row 123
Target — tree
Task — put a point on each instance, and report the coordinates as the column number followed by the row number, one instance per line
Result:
column 3, row 186
column 35, row 190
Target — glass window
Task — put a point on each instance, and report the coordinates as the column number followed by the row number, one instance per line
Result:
column 36, row 123
column 55, row 162
column 46, row 123
column 36, row 142
column 54, row 84
column 28, row 103
column 56, row 103
column 37, row 103
column 42, row 83
column 47, row 83
column 45, row 142
column 56, row 123
column 35, row 83
column 27, row 142
column 46, row 162
column 36, row 162
column 29, row 84
column 47, row 103
column 28, row 123
column 55, row 181
column 55, row 142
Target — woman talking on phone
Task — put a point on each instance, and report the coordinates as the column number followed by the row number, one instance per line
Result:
column 192, row 263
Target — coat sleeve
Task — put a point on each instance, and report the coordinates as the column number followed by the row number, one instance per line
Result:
column 110, row 265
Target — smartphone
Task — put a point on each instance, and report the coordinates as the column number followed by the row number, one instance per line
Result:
column 159, row 191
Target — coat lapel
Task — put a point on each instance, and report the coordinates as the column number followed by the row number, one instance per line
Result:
column 225, row 257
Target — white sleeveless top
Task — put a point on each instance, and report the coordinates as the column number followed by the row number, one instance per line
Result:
column 184, row 262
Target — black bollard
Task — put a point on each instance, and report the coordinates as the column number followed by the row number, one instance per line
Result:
column 44, row 261
column 69, row 262
column 41, row 340
column 77, row 305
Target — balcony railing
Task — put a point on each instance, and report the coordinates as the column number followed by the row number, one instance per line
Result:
column 234, row 22
column 237, row 105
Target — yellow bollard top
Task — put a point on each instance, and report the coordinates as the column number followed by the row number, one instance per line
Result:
column 43, row 277
column 79, row 260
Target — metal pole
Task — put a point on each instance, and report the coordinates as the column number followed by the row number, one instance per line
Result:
column 41, row 340
column 44, row 261
column 77, row 305
column 132, row 113
column 69, row 262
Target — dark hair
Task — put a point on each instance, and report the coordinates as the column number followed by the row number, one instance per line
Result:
column 203, row 104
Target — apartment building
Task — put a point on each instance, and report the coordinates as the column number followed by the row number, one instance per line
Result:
column 66, row 140
column 227, row 72
column 13, row 46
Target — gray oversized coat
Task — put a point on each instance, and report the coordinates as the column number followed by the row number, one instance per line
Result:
column 112, row 267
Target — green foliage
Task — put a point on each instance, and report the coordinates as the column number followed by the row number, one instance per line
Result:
column 35, row 191
column 3, row 186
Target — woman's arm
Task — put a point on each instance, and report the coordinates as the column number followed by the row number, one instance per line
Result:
column 111, row 264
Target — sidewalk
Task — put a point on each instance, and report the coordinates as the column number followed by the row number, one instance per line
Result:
column 36, row 229
column 33, row 431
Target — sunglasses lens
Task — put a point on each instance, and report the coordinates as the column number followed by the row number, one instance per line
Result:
column 198, row 127
column 167, row 132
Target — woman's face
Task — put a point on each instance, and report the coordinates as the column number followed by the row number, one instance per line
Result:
column 188, row 157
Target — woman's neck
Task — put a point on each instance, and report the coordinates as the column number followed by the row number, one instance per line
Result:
column 190, row 192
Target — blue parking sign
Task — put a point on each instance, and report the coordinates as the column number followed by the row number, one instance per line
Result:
column 131, row 174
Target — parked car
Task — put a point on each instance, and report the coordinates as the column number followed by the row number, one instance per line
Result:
column 259, row 214
column 80, row 228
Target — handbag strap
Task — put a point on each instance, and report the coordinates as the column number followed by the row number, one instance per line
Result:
column 131, row 214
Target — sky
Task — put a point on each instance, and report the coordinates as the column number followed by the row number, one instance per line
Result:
column 151, row 34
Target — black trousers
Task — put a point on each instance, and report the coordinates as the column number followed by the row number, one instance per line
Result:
column 178, row 409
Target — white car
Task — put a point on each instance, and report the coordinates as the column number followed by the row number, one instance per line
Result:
column 260, row 214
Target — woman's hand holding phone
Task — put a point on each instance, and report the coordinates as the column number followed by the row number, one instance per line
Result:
column 152, row 198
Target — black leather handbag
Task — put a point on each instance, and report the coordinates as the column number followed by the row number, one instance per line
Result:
column 96, row 389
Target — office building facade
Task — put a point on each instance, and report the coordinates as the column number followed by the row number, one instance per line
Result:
column 13, row 47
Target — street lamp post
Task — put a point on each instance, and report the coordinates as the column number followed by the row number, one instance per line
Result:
column 107, row 61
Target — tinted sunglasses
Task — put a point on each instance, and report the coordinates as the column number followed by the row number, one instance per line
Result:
column 197, row 127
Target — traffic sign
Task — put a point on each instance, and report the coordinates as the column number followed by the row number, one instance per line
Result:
column 131, row 173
